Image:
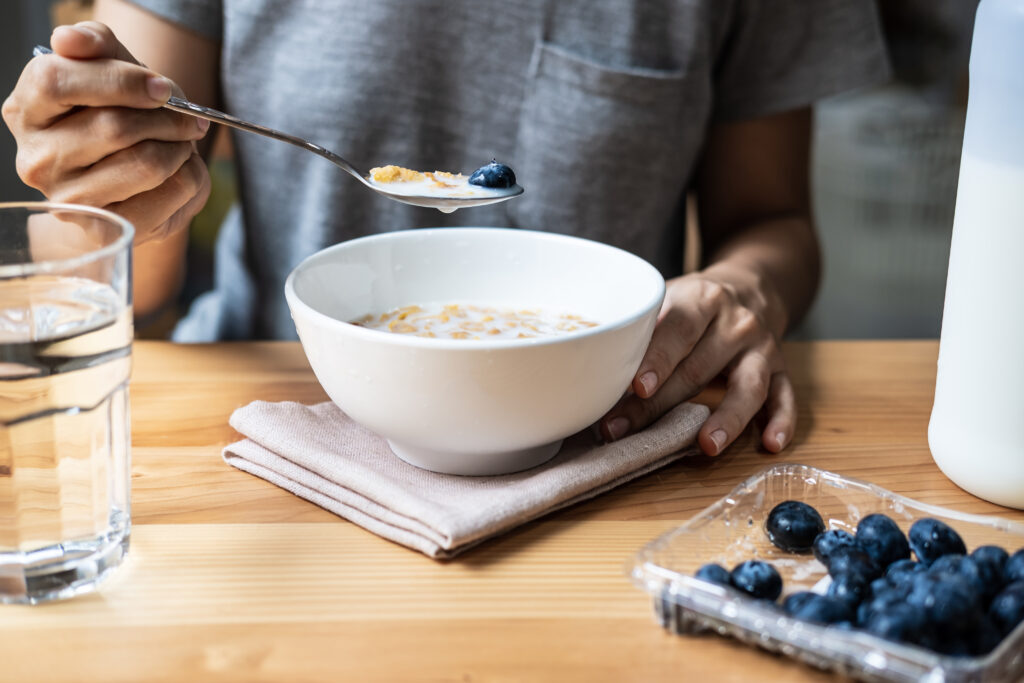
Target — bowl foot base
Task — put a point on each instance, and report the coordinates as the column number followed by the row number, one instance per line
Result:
column 505, row 462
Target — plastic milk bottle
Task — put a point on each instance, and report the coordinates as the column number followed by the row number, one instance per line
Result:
column 976, row 433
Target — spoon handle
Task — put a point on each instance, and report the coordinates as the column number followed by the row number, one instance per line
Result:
column 183, row 106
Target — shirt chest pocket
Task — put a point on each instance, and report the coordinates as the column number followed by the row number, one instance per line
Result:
column 605, row 152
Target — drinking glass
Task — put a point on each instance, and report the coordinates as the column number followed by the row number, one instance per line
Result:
column 65, row 358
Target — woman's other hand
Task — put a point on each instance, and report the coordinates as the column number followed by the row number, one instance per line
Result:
column 762, row 266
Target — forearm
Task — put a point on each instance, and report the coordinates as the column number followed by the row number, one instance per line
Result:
column 775, row 267
column 753, row 206
column 158, row 273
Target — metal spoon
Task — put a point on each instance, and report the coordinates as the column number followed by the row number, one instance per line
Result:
column 446, row 204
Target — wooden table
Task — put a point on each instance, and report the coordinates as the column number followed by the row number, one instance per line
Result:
column 232, row 579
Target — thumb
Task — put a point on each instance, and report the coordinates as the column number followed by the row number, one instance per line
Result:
column 89, row 40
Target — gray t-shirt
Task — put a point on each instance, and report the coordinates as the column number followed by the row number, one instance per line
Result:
column 600, row 107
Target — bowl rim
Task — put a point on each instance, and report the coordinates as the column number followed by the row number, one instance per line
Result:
column 296, row 302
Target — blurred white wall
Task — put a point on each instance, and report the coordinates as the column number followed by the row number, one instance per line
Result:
column 885, row 168
column 885, row 174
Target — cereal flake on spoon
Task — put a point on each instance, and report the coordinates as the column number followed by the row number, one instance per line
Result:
column 485, row 181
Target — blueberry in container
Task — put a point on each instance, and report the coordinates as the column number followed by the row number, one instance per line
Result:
column 829, row 542
column 714, row 573
column 882, row 539
column 757, row 579
column 794, row 525
column 732, row 531
column 930, row 539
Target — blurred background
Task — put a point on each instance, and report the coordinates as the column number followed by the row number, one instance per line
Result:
column 885, row 169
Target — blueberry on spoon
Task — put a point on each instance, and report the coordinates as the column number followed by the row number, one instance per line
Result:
column 493, row 175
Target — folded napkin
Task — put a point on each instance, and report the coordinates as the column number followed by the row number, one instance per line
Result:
column 320, row 454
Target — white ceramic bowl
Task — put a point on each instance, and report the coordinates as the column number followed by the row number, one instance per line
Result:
column 474, row 407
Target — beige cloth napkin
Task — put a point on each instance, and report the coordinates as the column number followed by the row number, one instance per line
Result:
column 320, row 454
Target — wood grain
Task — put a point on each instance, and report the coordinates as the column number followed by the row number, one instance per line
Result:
column 232, row 579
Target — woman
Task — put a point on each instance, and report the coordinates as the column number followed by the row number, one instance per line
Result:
column 610, row 112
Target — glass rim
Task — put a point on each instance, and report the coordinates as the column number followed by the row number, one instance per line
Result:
column 56, row 265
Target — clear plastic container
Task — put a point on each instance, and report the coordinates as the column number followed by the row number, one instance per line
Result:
column 732, row 530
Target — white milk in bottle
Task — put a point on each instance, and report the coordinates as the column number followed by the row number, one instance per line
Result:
column 976, row 432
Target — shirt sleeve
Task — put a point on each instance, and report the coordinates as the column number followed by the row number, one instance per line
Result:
column 204, row 17
column 779, row 55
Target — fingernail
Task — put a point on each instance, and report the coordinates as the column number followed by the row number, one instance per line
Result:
column 88, row 32
column 649, row 381
column 617, row 427
column 718, row 437
column 780, row 439
column 158, row 87
column 80, row 30
column 202, row 124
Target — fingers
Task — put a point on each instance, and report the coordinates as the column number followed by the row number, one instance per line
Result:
column 168, row 208
column 111, row 129
column 51, row 85
column 754, row 383
column 707, row 328
column 747, row 390
column 633, row 413
column 89, row 40
column 704, row 363
column 126, row 173
column 673, row 339
column 781, row 414
column 89, row 68
column 691, row 309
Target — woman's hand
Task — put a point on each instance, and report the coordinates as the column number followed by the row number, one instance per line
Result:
column 90, row 130
column 711, row 324
column 728, row 319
